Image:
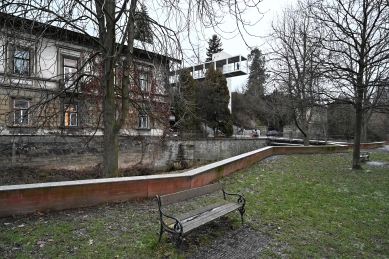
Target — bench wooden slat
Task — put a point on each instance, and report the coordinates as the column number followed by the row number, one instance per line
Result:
column 192, row 213
column 188, row 194
column 192, row 223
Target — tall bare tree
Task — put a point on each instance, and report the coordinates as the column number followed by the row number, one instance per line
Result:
column 107, row 27
column 296, row 50
column 356, row 54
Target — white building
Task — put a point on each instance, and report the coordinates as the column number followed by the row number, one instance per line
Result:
column 49, row 83
column 231, row 66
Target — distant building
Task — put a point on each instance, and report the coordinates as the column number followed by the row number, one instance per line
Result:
column 231, row 66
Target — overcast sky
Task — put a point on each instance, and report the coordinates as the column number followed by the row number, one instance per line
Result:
column 237, row 46
column 194, row 40
column 233, row 43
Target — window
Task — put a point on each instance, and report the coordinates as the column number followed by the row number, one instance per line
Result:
column 70, row 67
column 70, row 118
column 117, row 79
column 87, row 63
column 142, row 120
column 118, row 75
column 20, row 110
column 143, row 82
column 21, row 61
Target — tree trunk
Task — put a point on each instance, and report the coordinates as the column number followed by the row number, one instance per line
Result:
column 306, row 140
column 110, row 145
column 110, row 154
column 358, row 131
column 303, row 131
column 113, row 119
column 364, row 128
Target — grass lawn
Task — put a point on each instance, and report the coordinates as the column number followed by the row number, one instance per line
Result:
column 311, row 206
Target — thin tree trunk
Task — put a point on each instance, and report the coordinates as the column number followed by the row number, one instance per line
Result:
column 304, row 132
column 364, row 128
column 358, row 130
column 306, row 140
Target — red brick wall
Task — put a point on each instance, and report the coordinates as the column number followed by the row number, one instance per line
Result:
column 29, row 198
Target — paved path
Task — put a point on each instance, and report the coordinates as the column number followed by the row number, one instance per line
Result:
column 241, row 243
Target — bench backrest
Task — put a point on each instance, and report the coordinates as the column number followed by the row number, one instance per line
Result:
column 191, row 193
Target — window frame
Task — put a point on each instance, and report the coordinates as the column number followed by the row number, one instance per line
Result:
column 22, row 60
column 10, row 48
column 118, row 78
column 68, row 115
column 23, row 116
column 72, row 85
column 143, row 120
column 143, row 81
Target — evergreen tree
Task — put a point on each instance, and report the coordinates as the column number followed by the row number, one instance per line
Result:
column 213, row 99
column 214, row 46
column 142, row 26
column 184, row 102
column 257, row 76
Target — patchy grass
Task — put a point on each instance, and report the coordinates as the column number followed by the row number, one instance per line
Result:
column 317, row 206
column 312, row 206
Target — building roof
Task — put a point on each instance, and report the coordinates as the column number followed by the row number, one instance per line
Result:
column 54, row 32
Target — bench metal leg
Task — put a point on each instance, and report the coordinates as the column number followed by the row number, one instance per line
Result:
column 242, row 211
column 179, row 240
column 160, row 233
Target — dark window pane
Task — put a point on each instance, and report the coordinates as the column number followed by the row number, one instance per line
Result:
column 22, row 54
column 21, row 104
column 67, row 62
column 21, row 61
column 21, row 117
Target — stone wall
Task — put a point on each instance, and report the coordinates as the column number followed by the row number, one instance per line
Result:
column 73, row 152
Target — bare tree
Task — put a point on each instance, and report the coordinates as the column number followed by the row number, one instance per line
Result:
column 356, row 54
column 296, row 69
column 107, row 28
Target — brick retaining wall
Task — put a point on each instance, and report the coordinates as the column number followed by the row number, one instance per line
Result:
column 29, row 198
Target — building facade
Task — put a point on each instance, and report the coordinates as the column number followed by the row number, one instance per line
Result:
column 49, row 83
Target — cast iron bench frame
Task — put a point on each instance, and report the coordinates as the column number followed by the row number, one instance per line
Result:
column 184, row 223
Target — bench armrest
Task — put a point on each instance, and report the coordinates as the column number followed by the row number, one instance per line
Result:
column 177, row 227
column 241, row 199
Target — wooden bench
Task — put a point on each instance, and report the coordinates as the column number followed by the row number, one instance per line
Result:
column 179, row 225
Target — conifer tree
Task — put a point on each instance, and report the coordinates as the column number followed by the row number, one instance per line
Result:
column 214, row 46
column 257, row 76
column 213, row 100
column 142, row 26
